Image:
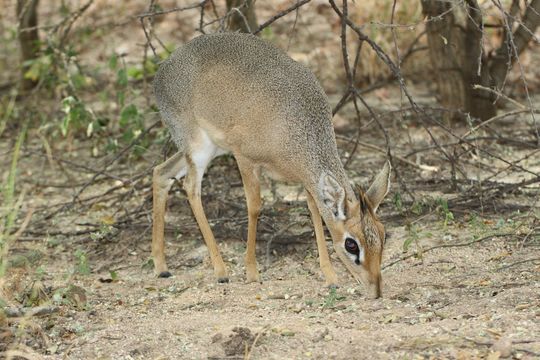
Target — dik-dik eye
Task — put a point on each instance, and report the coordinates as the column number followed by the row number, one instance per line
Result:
column 352, row 246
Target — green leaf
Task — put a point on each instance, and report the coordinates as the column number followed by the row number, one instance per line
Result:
column 135, row 73
column 128, row 114
column 82, row 267
column 122, row 79
column 114, row 275
column 407, row 243
column 33, row 72
column 398, row 202
column 113, row 61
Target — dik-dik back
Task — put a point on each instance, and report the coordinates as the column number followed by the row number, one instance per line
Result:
column 236, row 93
column 248, row 96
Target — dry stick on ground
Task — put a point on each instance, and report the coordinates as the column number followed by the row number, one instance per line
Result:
column 499, row 117
column 63, row 206
column 533, row 260
column 469, row 199
column 501, row 95
column 447, row 246
column 514, row 162
column 490, row 343
column 383, row 151
column 23, row 226
column 75, row 165
column 115, row 158
column 92, row 199
column 261, row 333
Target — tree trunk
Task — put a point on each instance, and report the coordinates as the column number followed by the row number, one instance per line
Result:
column 455, row 43
column 505, row 56
column 28, row 39
column 245, row 22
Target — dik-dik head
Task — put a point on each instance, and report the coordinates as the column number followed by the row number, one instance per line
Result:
column 357, row 233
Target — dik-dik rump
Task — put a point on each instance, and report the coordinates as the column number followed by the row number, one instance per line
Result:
column 235, row 93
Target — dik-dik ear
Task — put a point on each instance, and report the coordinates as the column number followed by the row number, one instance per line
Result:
column 380, row 186
column 333, row 196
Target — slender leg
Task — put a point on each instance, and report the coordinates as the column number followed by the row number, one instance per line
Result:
column 192, row 185
column 324, row 259
column 163, row 178
column 250, row 178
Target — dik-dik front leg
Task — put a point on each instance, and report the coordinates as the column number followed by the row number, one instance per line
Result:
column 324, row 259
column 252, row 188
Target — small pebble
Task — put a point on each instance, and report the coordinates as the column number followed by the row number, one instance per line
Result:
column 503, row 346
column 273, row 296
column 287, row 332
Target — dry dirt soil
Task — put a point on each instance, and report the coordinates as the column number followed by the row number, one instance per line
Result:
column 459, row 302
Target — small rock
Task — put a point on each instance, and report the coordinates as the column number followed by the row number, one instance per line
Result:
column 287, row 332
column 320, row 335
column 273, row 296
column 494, row 356
column 503, row 346
column 217, row 337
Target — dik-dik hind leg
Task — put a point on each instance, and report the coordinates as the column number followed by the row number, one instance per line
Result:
column 192, row 185
column 252, row 188
column 324, row 259
column 164, row 175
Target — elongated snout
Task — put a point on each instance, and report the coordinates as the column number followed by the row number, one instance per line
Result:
column 375, row 286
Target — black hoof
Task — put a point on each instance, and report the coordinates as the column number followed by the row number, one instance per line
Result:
column 223, row 280
column 164, row 274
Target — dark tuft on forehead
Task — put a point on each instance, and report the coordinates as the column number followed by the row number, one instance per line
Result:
column 365, row 205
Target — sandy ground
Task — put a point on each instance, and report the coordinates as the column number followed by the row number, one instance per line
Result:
column 466, row 302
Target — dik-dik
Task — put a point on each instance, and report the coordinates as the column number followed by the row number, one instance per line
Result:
column 235, row 93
